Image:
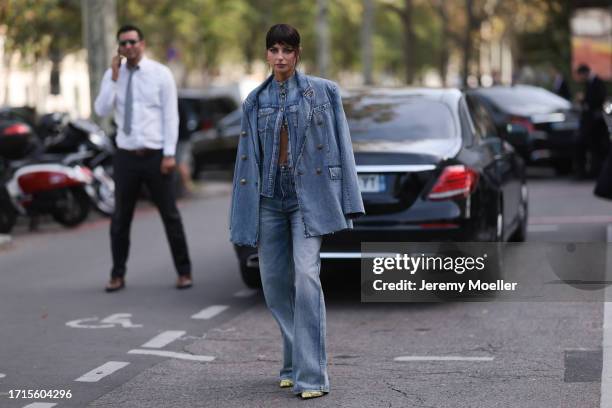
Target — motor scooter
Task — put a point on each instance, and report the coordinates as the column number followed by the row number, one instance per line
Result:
column 86, row 144
column 37, row 184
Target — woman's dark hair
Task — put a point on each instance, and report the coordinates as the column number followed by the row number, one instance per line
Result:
column 129, row 27
column 283, row 34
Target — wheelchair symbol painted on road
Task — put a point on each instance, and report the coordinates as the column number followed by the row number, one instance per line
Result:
column 114, row 320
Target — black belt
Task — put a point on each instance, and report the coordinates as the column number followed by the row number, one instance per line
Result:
column 141, row 152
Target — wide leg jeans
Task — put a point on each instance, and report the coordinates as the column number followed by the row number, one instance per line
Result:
column 290, row 264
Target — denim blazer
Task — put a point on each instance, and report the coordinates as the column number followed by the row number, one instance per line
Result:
column 324, row 171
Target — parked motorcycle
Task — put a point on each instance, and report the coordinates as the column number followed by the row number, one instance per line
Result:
column 86, row 144
column 39, row 184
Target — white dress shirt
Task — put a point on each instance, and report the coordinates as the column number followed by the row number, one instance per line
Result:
column 155, row 116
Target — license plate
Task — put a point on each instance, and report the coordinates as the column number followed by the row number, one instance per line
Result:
column 372, row 183
column 564, row 126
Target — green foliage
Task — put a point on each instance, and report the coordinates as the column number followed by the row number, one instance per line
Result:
column 550, row 44
column 206, row 33
column 41, row 28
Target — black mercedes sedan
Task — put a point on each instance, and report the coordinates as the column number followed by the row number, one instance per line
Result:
column 542, row 126
column 431, row 168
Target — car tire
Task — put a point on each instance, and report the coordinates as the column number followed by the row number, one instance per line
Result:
column 520, row 234
column 499, row 221
column 250, row 275
column 492, row 272
column 195, row 168
column 562, row 167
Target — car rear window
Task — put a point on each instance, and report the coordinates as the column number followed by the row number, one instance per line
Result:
column 208, row 108
column 398, row 119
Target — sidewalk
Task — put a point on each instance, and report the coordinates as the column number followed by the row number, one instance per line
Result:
column 5, row 241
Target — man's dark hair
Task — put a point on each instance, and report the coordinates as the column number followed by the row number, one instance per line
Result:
column 283, row 34
column 583, row 69
column 129, row 27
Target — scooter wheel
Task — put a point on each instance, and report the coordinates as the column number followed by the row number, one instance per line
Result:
column 8, row 218
column 8, row 215
column 74, row 208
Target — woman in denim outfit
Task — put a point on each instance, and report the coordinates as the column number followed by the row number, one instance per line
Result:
column 294, row 181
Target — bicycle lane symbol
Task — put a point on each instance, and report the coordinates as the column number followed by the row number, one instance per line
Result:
column 114, row 320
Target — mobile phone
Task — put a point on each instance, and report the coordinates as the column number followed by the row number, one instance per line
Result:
column 120, row 56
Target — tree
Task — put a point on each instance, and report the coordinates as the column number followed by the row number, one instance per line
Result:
column 405, row 15
column 41, row 28
column 322, row 24
column 366, row 41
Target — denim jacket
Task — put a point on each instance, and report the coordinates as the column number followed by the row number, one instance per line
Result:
column 324, row 170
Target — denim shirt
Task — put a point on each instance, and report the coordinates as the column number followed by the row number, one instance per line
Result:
column 278, row 102
column 324, row 171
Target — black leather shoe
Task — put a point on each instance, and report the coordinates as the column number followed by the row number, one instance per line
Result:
column 184, row 282
column 115, row 284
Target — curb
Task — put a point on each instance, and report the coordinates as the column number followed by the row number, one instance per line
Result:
column 606, row 369
column 5, row 240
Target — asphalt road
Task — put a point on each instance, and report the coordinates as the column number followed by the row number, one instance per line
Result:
column 216, row 345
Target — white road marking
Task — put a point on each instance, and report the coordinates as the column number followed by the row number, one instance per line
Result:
column 163, row 339
column 172, row 354
column 2, row 375
column 210, row 312
column 120, row 319
column 245, row 293
column 542, row 228
column 442, row 358
column 79, row 324
column 105, row 369
column 41, row 405
column 606, row 364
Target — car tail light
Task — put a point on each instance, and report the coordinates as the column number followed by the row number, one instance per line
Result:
column 455, row 181
column 521, row 121
column 16, row 129
column 206, row 124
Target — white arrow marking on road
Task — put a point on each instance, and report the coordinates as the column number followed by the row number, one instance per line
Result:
column 209, row 312
column 172, row 354
column 442, row 358
column 163, row 339
column 41, row 405
column 97, row 374
column 121, row 319
column 245, row 293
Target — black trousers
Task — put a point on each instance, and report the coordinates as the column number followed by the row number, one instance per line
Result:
column 594, row 141
column 131, row 171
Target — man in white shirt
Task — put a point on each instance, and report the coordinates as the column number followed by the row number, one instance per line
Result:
column 142, row 94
